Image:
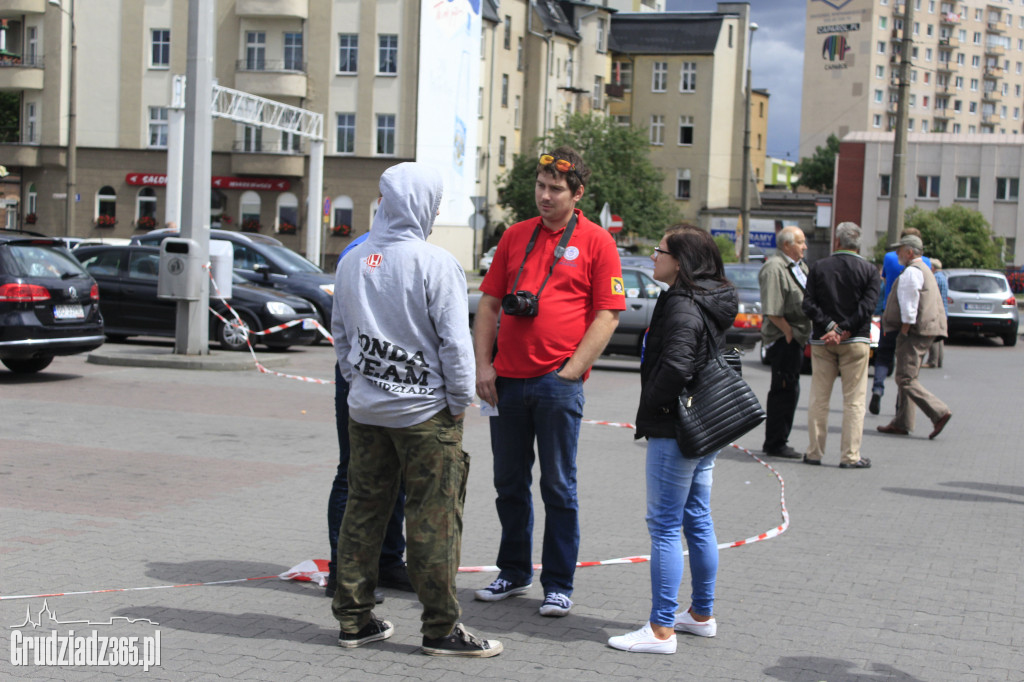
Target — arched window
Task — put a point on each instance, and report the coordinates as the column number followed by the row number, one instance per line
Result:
column 106, row 201
column 341, row 214
column 287, row 212
column 145, row 204
column 218, row 206
column 249, row 208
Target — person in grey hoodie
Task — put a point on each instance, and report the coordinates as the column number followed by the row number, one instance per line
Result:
column 403, row 345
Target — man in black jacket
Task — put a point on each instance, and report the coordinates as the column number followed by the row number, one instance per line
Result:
column 840, row 298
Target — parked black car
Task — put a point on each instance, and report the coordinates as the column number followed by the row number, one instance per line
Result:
column 49, row 305
column 127, row 278
column 266, row 261
column 745, row 331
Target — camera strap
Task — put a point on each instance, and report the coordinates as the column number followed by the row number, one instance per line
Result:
column 559, row 250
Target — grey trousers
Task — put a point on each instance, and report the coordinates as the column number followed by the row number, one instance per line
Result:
column 910, row 352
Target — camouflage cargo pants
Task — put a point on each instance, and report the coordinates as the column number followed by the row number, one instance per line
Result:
column 435, row 468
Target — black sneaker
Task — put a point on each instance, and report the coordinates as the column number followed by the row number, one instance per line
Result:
column 374, row 631
column 808, row 460
column 862, row 463
column 876, row 403
column 501, row 589
column 396, row 578
column 461, row 643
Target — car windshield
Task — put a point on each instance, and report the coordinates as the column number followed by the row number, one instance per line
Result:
column 977, row 284
column 743, row 278
column 291, row 262
column 34, row 260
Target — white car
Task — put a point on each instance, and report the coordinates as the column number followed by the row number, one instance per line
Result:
column 485, row 260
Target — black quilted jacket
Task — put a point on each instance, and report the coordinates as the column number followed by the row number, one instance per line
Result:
column 675, row 350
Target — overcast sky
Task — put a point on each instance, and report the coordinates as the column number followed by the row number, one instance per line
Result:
column 778, row 64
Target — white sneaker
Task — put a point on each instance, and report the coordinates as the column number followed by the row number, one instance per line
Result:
column 686, row 623
column 643, row 641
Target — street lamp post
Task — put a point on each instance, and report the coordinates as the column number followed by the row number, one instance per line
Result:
column 743, row 234
column 72, row 152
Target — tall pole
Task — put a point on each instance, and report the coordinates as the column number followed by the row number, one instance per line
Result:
column 899, row 152
column 191, row 336
column 743, row 231
column 72, row 150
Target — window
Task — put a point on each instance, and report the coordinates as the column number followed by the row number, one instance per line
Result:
column 502, row 143
column 688, row 77
column 602, row 25
column 158, row 127
column 248, row 209
column 385, row 133
column 876, row 121
column 1007, row 189
column 161, row 54
column 967, row 187
column 145, row 204
column 341, row 210
column 622, row 120
column 683, row 184
column 290, row 142
column 686, row 130
column 958, row 106
column 927, row 186
column 975, row 61
column 622, row 74
column 956, row 128
column 106, row 202
column 659, row 77
column 883, row 23
column 880, row 48
column 508, row 32
column 598, row 91
column 657, row 129
column 972, row 107
column 348, row 52
column 516, row 115
column 31, row 57
column 519, row 55
column 504, row 90
column 388, row 61
column 883, row 185
column 31, row 130
column 255, row 50
column 293, row 53
column 287, row 210
column 879, row 72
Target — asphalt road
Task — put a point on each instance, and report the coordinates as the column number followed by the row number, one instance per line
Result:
column 133, row 479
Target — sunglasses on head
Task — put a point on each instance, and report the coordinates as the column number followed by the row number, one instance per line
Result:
column 561, row 165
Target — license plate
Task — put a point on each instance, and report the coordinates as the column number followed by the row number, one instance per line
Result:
column 309, row 323
column 977, row 307
column 68, row 312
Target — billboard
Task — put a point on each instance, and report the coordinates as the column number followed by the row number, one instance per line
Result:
column 449, row 78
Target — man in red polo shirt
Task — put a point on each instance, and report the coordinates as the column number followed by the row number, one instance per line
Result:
column 556, row 281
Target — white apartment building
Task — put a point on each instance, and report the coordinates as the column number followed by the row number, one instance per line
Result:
column 967, row 71
column 980, row 172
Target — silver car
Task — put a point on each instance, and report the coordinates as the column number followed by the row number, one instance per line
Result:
column 981, row 302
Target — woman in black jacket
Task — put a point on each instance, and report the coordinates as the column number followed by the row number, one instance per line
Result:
column 678, row 487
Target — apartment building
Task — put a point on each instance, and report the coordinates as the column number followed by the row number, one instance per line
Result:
column 681, row 76
column 980, row 172
column 967, row 72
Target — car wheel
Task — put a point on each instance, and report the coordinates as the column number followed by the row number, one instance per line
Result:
column 278, row 348
column 231, row 337
column 27, row 365
column 1010, row 339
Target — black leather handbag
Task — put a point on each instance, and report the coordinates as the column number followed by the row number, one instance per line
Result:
column 716, row 407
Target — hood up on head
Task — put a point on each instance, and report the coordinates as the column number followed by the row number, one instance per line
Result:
column 411, row 195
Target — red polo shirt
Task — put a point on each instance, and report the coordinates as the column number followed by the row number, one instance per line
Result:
column 586, row 279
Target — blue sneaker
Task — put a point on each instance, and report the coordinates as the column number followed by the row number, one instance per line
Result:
column 555, row 604
column 501, row 589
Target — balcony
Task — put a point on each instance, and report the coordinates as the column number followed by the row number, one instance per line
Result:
column 942, row 115
column 991, row 96
column 19, row 74
column 949, row 43
column 949, row 19
column 266, row 159
column 271, row 79
column 29, row 156
column 947, row 67
column 615, row 91
column 994, row 50
column 10, row 9
column 994, row 27
column 993, row 72
column 280, row 9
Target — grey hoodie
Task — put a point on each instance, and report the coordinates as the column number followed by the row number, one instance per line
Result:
column 401, row 318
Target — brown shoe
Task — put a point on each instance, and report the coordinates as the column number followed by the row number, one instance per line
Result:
column 893, row 430
column 939, row 425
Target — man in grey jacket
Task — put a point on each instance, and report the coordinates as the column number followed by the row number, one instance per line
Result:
column 403, row 345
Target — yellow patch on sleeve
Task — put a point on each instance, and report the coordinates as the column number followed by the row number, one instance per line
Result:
column 618, row 288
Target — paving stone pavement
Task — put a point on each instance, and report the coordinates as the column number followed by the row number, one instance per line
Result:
column 126, row 477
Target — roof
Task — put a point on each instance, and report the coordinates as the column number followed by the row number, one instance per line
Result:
column 553, row 19
column 489, row 11
column 935, row 138
column 665, row 32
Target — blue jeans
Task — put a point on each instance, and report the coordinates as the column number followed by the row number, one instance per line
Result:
column 884, row 360
column 394, row 542
column 679, row 496
column 546, row 409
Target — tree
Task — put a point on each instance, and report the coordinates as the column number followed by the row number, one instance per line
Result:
column 958, row 236
column 621, row 174
column 818, row 171
column 727, row 248
column 9, row 106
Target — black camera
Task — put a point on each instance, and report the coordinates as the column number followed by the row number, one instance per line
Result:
column 521, row 304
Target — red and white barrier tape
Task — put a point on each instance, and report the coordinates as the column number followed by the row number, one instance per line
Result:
column 774, row 532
